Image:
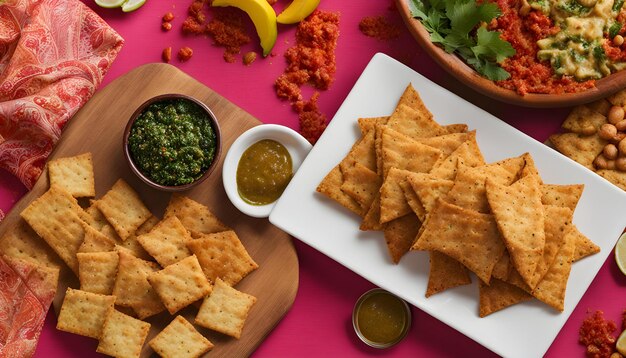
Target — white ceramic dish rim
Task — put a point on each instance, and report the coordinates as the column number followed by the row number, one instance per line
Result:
column 297, row 146
column 524, row 330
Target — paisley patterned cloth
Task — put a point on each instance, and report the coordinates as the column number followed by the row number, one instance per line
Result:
column 53, row 55
column 25, row 296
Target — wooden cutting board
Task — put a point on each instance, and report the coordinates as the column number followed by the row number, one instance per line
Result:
column 98, row 128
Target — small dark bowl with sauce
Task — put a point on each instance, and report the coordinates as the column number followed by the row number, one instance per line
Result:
column 198, row 152
column 380, row 318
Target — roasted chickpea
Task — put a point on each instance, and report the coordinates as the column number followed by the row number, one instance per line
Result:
column 610, row 151
column 621, row 147
column 616, row 114
column 169, row 17
column 618, row 137
column 621, row 125
column 618, row 40
column 620, row 164
column 600, row 162
column 607, row 131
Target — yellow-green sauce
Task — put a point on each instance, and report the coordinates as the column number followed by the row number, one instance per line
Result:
column 263, row 172
column 382, row 318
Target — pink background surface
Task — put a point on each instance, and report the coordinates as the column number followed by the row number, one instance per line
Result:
column 320, row 319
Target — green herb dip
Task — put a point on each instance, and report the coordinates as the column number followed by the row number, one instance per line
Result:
column 172, row 142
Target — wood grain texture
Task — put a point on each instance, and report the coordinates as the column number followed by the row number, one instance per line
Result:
column 98, row 127
column 464, row 73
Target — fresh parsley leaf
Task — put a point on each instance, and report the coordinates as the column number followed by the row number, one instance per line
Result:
column 451, row 23
column 614, row 29
column 617, row 5
column 491, row 46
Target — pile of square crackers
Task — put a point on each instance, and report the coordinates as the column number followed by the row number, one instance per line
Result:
column 428, row 187
column 580, row 139
column 132, row 266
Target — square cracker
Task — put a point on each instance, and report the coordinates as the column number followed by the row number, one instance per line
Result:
column 616, row 177
column 95, row 241
column 465, row 235
column 222, row 255
column 132, row 244
column 520, row 217
column 73, row 174
column 21, row 242
column 122, row 335
column 166, row 241
column 97, row 271
column 445, row 272
column 84, row 312
column 123, row 208
column 583, row 149
column 499, row 295
column 56, row 217
column 225, row 310
column 180, row 339
column 180, row 284
column 97, row 219
column 131, row 283
column 193, row 215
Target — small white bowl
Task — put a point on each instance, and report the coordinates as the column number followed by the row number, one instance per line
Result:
column 297, row 146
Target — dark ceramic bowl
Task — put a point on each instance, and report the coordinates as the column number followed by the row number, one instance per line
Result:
column 142, row 176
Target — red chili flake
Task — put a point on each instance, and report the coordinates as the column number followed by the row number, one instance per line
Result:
column 167, row 55
column 596, row 334
column 312, row 61
column 185, row 54
column 195, row 22
column 168, row 17
column 379, row 27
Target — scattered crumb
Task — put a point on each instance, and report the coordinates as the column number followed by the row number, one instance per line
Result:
column 168, row 17
column 166, row 26
column 249, row 57
column 166, row 56
column 185, row 54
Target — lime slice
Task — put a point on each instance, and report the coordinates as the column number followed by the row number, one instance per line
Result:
column 620, row 345
column 132, row 5
column 109, row 4
column 620, row 257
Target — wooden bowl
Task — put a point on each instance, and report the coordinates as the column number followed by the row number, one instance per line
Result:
column 135, row 169
column 464, row 73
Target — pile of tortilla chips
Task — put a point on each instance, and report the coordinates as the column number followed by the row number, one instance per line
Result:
column 580, row 140
column 427, row 187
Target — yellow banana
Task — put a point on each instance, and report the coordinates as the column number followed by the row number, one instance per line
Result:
column 263, row 17
column 297, row 11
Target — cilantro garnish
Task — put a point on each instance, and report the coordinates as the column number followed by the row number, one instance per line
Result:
column 451, row 24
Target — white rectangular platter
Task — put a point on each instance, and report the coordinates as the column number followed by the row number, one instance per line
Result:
column 524, row 330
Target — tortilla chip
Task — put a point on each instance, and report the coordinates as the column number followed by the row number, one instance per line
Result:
column 393, row 204
column 123, row 209
column 469, row 186
column 583, row 120
column 362, row 152
column 456, row 128
column 55, row 216
column 520, row 217
column 371, row 220
column 566, row 196
column 428, row 189
column 414, row 124
column 583, row 149
column 499, row 295
column 601, row 106
column 616, row 177
column 400, row 235
column 445, row 272
column 502, row 268
column 193, row 215
column 411, row 98
column 446, row 143
column 331, row 187
column 401, row 152
column 361, row 184
column 368, row 124
column 22, row 242
column 583, row 246
column 413, row 201
column 557, row 223
column 73, row 174
column 530, row 168
column 467, row 153
column 465, row 235
column 551, row 289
